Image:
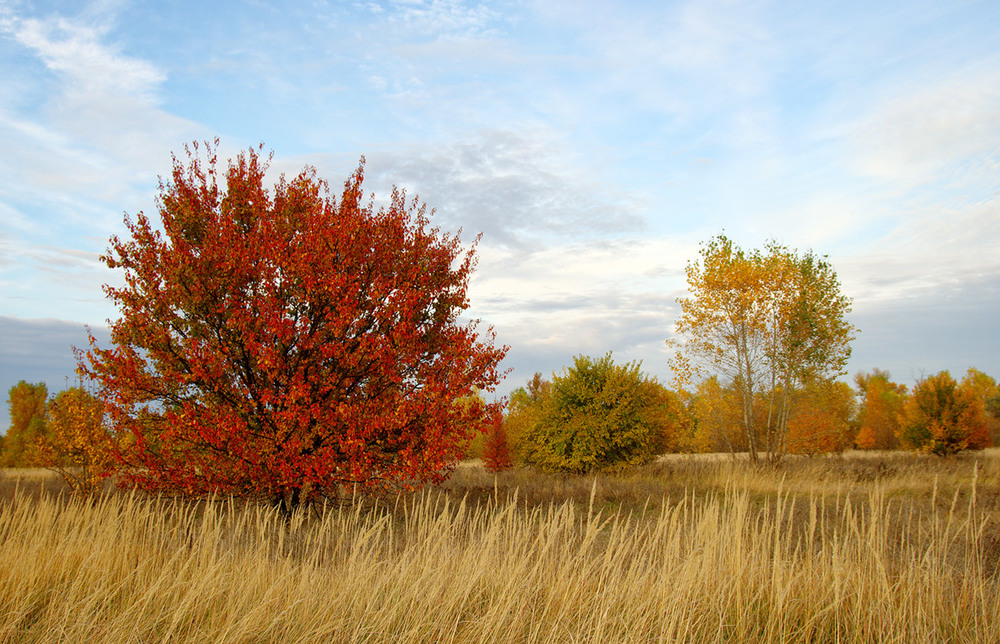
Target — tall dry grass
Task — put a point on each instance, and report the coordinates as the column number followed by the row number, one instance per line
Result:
column 746, row 556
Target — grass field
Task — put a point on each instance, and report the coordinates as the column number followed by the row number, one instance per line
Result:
column 861, row 548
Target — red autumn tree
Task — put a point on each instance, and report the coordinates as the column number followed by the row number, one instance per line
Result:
column 496, row 451
column 285, row 343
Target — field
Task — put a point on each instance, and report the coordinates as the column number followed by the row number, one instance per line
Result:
column 860, row 548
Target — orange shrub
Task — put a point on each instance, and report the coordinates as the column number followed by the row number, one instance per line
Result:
column 77, row 444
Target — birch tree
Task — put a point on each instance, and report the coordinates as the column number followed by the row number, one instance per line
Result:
column 764, row 321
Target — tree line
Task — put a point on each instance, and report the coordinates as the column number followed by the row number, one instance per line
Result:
column 596, row 415
column 291, row 343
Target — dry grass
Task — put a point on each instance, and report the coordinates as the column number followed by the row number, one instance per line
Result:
column 892, row 548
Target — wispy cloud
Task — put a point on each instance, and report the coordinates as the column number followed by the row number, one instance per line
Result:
column 947, row 132
column 89, row 66
column 593, row 143
column 516, row 188
column 441, row 18
column 79, row 153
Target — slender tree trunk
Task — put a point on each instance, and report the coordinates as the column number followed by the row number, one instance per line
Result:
column 746, row 393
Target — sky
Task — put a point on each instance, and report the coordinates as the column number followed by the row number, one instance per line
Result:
column 594, row 144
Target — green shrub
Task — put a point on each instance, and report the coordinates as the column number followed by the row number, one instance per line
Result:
column 597, row 415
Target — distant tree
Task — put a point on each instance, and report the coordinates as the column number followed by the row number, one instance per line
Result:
column 77, row 444
column 880, row 410
column 286, row 344
column 524, row 409
column 679, row 422
column 764, row 322
column 497, row 453
column 993, row 406
column 821, row 419
column 597, row 416
column 985, row 388
column 993, row 411
column 474, row 406
column 26, row 403
column 718, row 417
column 943, row 418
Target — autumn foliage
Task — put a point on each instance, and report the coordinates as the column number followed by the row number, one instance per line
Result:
column 76, row 443
column 286, row 343
column 881, row 410
column 596, row 415
column 943, row 417
column 820, row 421
column 764, row 322
column 985, row 388
column 496, row 451
column 714, row 419
column 26, row 402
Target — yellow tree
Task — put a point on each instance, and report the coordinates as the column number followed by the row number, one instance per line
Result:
column 715, row 419
column 880, row 411
column 26, row 402
column 77, row 444
column 764, row 322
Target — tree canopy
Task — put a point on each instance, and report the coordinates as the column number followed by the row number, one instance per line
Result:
column 26, row 402
column 595, row 415
column 286, row 343
column 944, row 417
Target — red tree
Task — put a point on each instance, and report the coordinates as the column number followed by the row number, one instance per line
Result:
column 287, row 344
column 496, row 451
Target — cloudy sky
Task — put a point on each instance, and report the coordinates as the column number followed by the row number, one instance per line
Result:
column 595, row 144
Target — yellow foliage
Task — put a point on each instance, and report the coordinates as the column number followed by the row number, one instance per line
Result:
column 77, row 444
column 820, row 420
column 881, row 406
column 764, row 322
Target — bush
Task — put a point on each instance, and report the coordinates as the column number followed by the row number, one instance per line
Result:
column 77, row 445
column 597, row 416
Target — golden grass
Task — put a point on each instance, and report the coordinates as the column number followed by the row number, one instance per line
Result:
column 889, row 549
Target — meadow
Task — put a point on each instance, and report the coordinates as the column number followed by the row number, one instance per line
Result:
column 883, row 547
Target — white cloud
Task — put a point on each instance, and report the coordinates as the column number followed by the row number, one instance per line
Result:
column 944, row 132
column 681, row 59
column 586, row 297
column 443, row 18
column 102, row 97
column 89, row 66
column 516, row 188
column 932, row 153
column 87, row 149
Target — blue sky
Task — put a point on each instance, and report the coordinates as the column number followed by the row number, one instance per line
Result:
column 594, row 143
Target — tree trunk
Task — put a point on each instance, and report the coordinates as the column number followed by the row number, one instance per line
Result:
column 288, row 500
